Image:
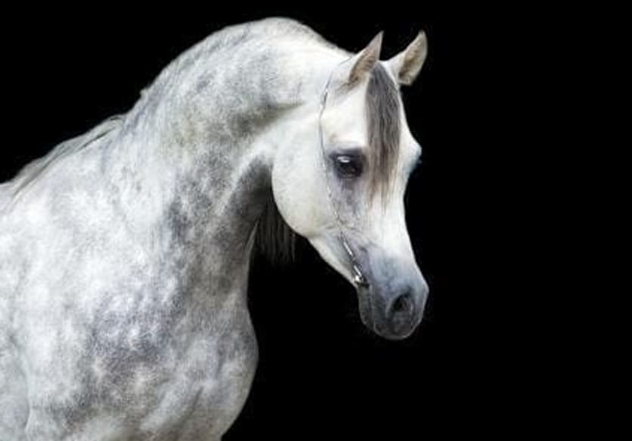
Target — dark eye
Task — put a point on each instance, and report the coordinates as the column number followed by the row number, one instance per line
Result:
column 348, row 166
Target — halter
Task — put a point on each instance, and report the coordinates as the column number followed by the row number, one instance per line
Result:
column 358, row 276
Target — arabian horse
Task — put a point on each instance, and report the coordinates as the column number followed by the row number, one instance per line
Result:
column 125, row 252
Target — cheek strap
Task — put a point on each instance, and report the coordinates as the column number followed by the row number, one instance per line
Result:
column 359, row 279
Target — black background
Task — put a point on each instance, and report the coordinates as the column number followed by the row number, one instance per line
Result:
column 468, row 369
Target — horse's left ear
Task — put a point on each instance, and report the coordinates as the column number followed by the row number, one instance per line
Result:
column 365, row 61
column 407, row 65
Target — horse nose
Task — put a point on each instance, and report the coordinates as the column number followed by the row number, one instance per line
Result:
column 404, row 310
column 400, row 312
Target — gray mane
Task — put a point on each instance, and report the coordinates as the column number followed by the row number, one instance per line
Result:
column 275, row 240
column 383, row 115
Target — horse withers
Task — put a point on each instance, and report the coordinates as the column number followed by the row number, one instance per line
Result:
column 124, row 253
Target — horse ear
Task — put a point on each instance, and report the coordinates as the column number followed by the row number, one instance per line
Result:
column 364, row 62
column 407, row 65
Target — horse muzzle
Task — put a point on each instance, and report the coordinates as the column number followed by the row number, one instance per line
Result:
column 392, row 303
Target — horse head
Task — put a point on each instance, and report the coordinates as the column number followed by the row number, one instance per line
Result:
column 339, row 181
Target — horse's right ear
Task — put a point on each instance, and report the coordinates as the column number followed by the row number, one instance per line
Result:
column 365, row 61
column 407, row 65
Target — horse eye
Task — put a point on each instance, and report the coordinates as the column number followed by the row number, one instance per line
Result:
column 348, row 166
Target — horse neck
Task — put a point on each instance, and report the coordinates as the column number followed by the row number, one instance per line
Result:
column 199, row 142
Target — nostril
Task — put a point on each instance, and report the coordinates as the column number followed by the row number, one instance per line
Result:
column 401, row 312
column 403, row 304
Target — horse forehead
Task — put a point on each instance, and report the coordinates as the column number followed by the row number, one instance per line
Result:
column 346, row 119
column 345, row 122
column 348, row 125
column 344, row 130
